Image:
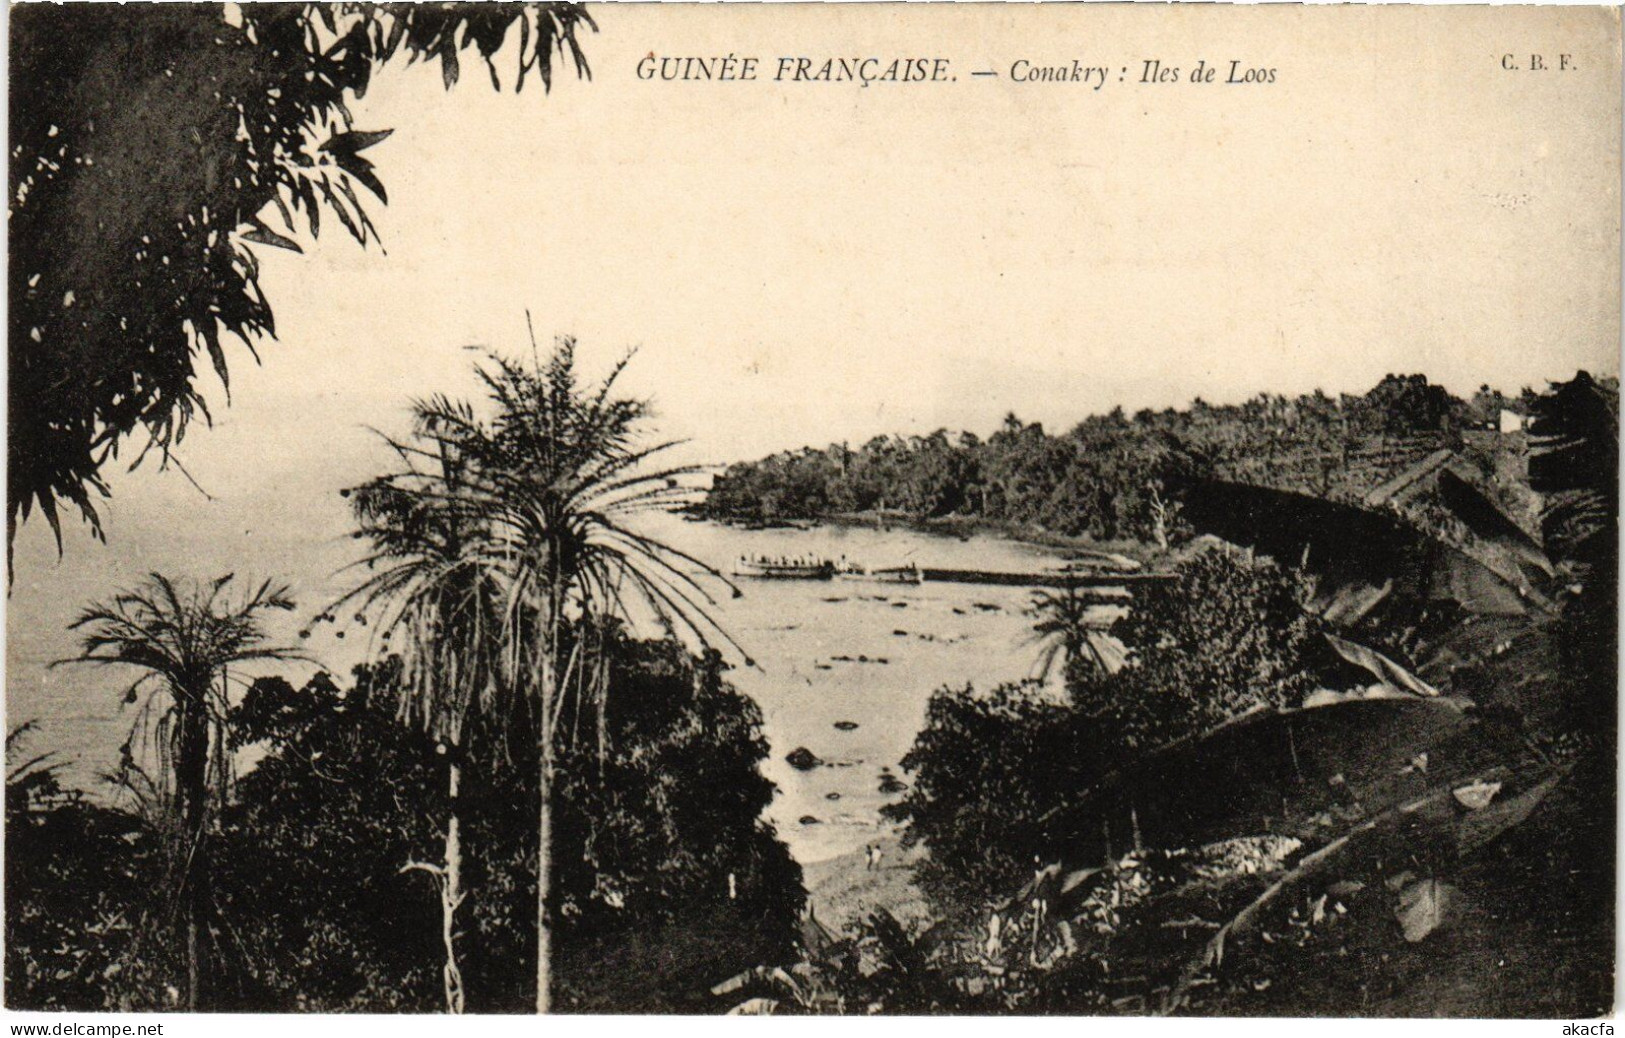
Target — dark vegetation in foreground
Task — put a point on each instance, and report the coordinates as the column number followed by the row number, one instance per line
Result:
column 1364, row 766
column 310, row 908
column 1373, row 774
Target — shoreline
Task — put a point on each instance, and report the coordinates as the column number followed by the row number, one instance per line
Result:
column 842, row 891
column 953, row 526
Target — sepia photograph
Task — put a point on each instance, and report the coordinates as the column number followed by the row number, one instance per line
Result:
column 951, row 509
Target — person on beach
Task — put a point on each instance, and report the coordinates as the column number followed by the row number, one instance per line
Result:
column 1040, row 905
column 995, row 936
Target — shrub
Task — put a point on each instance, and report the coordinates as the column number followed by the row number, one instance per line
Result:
column 990, row 768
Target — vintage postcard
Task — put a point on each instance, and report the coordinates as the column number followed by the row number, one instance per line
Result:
column 1098, row 510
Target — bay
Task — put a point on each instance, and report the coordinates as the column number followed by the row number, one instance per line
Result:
column 861, row 653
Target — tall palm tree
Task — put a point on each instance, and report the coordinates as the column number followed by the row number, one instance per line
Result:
column 545, row 487
column 443, row 604
column 183, row 639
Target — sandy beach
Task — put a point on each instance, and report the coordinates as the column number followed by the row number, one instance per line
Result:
column 842, row 891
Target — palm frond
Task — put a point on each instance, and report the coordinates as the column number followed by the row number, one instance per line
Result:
column 520, row 508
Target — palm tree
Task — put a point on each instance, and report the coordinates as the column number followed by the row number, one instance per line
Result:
column 184, row 640
column 442, row 602
column 544, row 489
column 1062, row 629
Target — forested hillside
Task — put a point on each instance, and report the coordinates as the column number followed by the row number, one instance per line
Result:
column 1355, row 756
column 1116, row 476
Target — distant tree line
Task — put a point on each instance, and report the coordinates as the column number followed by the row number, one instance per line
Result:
column 1113, row 476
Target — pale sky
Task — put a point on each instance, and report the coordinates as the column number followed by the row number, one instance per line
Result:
column 802, row 263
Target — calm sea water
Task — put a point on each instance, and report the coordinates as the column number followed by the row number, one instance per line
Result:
column 899, row 642
column 915, row 638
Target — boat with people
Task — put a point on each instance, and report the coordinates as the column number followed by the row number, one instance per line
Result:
column 1088, row 576
column 784, row 567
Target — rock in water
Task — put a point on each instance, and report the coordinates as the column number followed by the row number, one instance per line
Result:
column 803, row 759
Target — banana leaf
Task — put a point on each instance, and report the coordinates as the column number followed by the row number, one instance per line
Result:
column 1297, row 772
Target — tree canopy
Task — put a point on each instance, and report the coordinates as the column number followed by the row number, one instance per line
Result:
column 152, row 149
column 1112, row 475
column 991, row 769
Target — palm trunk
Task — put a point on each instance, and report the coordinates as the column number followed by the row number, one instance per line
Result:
column 451, row 895
column 544, row 828
column 192, row 782
column 1159, row 520
column 192, row 971
column 544, row 785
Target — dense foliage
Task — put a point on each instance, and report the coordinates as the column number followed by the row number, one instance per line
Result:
column 664, row 870
column 1574, row 464
column 987, row 766
column 504, row 563
column 150, row 149
column 77, row 877
column 181, row 640
column 1231, row 635
column 313, row 910
column 1112, row 476
column 312, row 849
column 991, row 768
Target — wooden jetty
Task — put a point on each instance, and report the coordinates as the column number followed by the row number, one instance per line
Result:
column 1049, row 578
